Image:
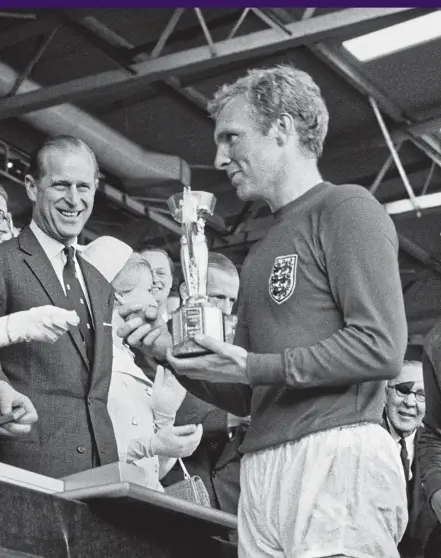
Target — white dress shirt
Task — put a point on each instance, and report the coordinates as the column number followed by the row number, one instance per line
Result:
column 410, row 444
column 54, row 250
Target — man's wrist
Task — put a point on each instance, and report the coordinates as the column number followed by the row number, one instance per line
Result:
column 162, row 420
column 265, row 370
column 15, row 324
column 4, row 335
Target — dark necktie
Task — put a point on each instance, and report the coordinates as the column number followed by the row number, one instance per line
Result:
column 77, row 302
column 405, row 459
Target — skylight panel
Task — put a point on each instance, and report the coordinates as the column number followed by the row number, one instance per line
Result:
column 396, row 37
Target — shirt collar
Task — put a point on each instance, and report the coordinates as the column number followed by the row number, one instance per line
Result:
column 304, row 198
column 51, row 247
column 410, row 439
column 397, row 437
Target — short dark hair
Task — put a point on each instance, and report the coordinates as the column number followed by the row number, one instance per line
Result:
column 4, row 193
column 221, row 262
column 61, row 142
column 144, row 246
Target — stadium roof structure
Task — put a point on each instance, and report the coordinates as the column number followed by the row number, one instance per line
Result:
column 136, row 82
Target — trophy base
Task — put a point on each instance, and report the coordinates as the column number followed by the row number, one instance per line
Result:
column 189, row 349
column 192, row 318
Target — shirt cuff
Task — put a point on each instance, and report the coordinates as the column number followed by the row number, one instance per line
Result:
column 265, row 370
column 4, row 336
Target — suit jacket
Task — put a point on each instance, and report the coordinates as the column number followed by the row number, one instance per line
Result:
column 74, row 431
column 421, row 517
column 217, row 459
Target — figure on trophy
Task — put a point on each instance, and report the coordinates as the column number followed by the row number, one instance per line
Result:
column 196, row 315
column 194, row 249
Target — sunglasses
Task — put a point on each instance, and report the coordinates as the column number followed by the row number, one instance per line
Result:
column 404, row 391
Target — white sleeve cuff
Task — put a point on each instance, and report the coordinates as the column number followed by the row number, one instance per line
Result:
column 4, row 336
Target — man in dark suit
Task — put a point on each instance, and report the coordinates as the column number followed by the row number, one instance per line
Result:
column 404, row 411
column 430, row 439
column 67, row 382
column 217, row 459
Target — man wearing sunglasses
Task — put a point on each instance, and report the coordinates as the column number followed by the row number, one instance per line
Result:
column 429, row 445
column 404, row 411
column 6, row 226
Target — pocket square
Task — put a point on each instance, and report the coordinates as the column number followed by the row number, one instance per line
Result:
column 106, row 324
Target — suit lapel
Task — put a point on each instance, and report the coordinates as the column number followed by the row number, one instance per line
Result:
column 98, row 302
column 35, row 257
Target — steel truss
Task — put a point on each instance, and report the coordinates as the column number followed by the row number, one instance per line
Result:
column 215, row 54
column 145, row 69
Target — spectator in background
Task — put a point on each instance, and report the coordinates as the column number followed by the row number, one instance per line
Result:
column 430, row 437
column 162, row 268
column 142, row 412
column 173, row 302
column 6, row 224
column 217, row 458
column 403, row 414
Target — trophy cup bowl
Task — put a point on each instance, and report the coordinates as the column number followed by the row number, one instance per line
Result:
column 205, row 202
column 196, row 315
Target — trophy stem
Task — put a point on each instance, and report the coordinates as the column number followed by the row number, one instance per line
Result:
column 191, row 209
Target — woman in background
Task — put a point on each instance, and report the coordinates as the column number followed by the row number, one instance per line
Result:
column 142, row 412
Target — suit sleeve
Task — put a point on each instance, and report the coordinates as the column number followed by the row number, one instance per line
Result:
column 233, row 398
column 360, row 247
column 429, row 443
column 195, row 411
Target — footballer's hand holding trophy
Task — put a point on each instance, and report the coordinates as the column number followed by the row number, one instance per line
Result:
column 196, row 315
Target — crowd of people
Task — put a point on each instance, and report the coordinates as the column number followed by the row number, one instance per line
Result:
column 313, row 426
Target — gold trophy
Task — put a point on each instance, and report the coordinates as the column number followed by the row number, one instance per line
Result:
column 196, row 315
